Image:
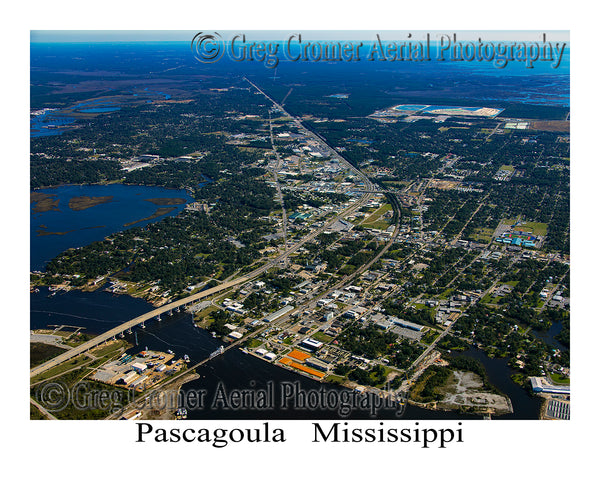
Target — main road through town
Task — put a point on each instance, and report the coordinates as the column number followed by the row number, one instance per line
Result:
column 369, row 188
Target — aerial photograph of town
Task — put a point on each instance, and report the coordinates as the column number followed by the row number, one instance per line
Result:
column 304, row 225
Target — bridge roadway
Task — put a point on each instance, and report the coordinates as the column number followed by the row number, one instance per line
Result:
column 132, row 323
column 369, row 189
column 63, row 357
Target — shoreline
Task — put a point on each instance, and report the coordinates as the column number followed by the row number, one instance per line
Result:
column 469, row 410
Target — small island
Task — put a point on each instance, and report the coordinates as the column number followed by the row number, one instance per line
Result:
column 158, row 213
column 43, row 202
column 166, row 201
column 84, row 202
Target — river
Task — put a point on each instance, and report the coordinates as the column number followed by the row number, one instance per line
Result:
column 98, row 311
column 55, row 230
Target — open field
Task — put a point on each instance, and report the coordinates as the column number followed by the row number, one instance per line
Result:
column 463, row 391
column 559, row 379
column 551, row 125
column 376, row 219
column 40, row 352
column 484, row 235
column 537, row 228
column 466, row 392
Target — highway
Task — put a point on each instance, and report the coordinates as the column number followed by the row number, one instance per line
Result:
column 369, row 189
column 369, row 186
column 278, row 185
column 275, row 262
column 63, row 357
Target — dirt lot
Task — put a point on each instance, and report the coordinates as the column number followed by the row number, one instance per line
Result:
column 551, row 125
column 466, row 390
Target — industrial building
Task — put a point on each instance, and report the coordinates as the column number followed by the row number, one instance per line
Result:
column 316, row 363
column 278, row 314
column 139, row 367
column 541, row 385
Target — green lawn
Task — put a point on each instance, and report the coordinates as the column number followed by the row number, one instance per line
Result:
column 482, row 235
column 430, row 336
column 35, row 414
column 379, row 225
column 394, row 183
column 322, row 337
column 559, row 379
column 254, row 343
column 375, row 220
column 490, row 300
column 334, row 379
column 537, row 228
column 446, row 294
column 508, row 221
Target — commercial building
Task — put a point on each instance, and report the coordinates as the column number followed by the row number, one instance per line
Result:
column 278, row 314
column 541, row 385
column 405, row 324
column 311, row 343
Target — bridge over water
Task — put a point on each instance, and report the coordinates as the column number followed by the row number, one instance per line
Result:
column 368, row 190
column 140, row 320
column 178, row 304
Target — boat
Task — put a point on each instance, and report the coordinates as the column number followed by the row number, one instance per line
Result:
column 186, row 359
column 170, row 352
column 218, row 351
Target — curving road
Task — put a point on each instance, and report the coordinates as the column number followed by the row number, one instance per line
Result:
column 369, row 189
